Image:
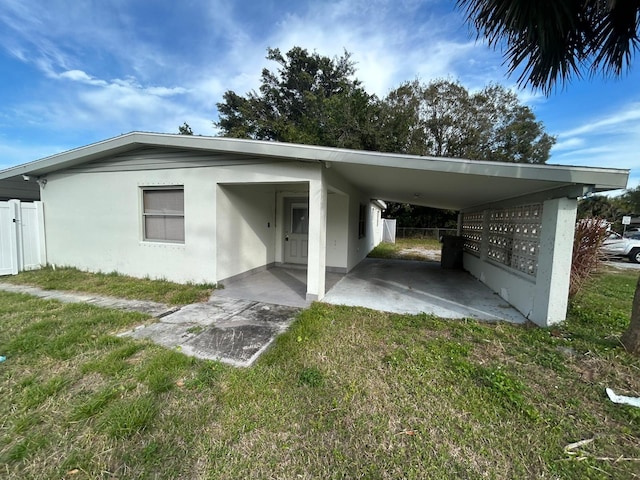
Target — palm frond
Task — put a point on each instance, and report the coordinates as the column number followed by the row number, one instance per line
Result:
column 554, row 40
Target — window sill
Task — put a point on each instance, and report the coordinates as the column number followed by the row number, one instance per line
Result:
column 159, row 243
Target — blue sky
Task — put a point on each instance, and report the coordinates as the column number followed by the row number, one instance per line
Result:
column 79, row 71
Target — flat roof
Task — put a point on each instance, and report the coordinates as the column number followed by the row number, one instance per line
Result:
column 433, row 181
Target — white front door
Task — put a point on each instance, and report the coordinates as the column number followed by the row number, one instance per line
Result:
column 296, row 238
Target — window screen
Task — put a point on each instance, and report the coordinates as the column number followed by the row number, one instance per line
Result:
column 163, row 214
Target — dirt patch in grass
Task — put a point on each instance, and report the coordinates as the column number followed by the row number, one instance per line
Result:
column 419, row 253
column 409, row 249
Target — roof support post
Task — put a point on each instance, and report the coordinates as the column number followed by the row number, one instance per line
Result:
column 554, row 261
column 317, row 256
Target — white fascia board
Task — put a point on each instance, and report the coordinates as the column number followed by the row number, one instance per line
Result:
column 601, row 178
column 70, row 158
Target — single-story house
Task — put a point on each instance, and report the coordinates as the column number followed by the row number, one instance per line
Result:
column 209, row 209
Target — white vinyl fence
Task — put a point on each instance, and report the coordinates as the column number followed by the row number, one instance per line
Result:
column 22, row 241
column 389, row 230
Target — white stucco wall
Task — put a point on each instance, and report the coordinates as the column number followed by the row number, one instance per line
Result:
column 554, row 262
column 337, row 231
column 317, row 258
column 357, row 248
column 93, row 221
column 375, row 223
column 246, row 233
column 513, row 287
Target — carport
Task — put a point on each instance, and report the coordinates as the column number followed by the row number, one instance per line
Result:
column 517, row 220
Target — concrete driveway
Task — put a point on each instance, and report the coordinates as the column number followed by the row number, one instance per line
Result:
column 623, row 264
column 400, row 286
column 405, row 286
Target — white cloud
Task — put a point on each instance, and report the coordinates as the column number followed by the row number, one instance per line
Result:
column 165, row 91
column 80, row 76
column 387, row 45
column 616, row 123
column 611, row 139
column 569, row 144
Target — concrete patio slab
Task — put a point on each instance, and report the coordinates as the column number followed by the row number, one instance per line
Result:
column 405, row 286
column 285, row 285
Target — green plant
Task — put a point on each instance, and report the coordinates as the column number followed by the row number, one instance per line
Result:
column 113, row 284
column 311, row 377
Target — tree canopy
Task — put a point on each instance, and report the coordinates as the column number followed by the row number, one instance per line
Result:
column 314, row 99
column 443, row 118
column 309, row 99
column 185, row 129
column 611, row 208
column 554, row 40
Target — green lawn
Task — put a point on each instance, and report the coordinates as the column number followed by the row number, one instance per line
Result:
column 345, row 393
column 112, row 284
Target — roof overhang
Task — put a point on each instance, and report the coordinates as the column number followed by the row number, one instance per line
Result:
column 451, row 183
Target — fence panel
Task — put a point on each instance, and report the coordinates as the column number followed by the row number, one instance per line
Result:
column 21, row 236
column 30, row 241
column 8, row 239
column 389, row 230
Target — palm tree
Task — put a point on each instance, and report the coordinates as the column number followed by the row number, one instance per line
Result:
column 558, row 39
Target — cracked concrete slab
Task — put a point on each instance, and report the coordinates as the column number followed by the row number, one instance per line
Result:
column 233, row 331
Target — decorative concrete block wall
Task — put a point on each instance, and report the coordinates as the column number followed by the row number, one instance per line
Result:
column 523, row 253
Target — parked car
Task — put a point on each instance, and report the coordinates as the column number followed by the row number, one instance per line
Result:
column 627, row 246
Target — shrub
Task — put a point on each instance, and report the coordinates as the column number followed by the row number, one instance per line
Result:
column 588, row 238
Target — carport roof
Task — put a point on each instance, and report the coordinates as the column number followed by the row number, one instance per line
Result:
column 452, row 183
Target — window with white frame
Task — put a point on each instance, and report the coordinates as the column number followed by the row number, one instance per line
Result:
column 163, row 214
